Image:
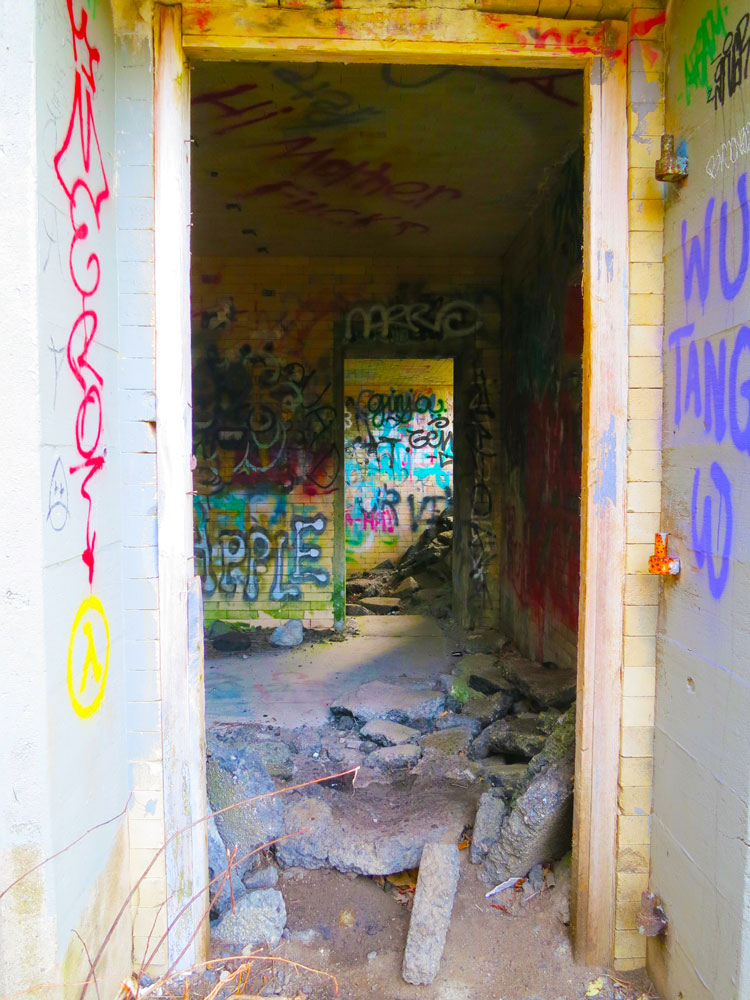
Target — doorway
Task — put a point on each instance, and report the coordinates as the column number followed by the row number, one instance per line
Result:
column 606, row 498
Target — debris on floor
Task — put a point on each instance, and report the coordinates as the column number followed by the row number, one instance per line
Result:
column 431, row 914
column 397, row 774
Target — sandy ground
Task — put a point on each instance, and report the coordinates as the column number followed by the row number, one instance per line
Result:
column 355, row 930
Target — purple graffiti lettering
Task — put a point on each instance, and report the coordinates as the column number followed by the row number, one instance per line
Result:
column 675, row 340
column 740, row 435
column 693, row 380
column 697, row 261
column 703, row 534
column 731, row 287
column 714, row 389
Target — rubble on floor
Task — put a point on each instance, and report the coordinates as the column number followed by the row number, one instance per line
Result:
column 488, row 744
column 431, row 914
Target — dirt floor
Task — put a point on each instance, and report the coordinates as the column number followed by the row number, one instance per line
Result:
column 354, row 929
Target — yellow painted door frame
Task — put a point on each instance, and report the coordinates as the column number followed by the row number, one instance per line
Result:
column 236, row 30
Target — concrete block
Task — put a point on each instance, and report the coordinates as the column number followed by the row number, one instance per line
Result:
column 644, row 434
column 644, row 466
column 430, row 918
column 641, row 621
column 646, row 341
column 644, row 498
column 140, row 561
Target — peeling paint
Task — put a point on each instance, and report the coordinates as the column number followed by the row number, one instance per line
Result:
column 605, row 490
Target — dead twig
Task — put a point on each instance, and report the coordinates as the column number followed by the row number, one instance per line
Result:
column 204, row 819
column 88, row 959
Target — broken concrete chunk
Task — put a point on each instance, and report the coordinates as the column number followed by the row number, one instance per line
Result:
column 430, row 917
column 234, row 777
column 407, row 587
column 481, row 672
column 450, row 741
column 450, row 720
column 395, row 758
column 538, row 828
column 413, row 706
column 505, row 777
column 547, row 685
column 263, row 878
column 257, row 922
column 380, row 830
column 290, row 633
column 276, row 758
column 448, row 769
column 515, row 734
column 487, row 708
column 381, row 605
column 357, row 610
column 487, row 824
column 388, row 734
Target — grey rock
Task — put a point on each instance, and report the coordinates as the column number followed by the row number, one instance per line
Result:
column 506, row 777
column 449, row 769
column 451, row 741
column 257, row 922
column 451, row 720
column 264, row 878
column 480, row 671
column 385, row 566
column 560, row 745
column 396, row 758
column 407, row 587
column 488, row 708
column 430, row 917
column 361, row 587
column 515, row 734
column 548, row 686
column 396, row 703
column 306, row 741
column 221, row 895
column 381, row 605
column 536, row 877
column 357, row 611
column 388, row 734
column 276, row 758
column 379, row 830
column 233, row 778
column 290, row 633
column 538, row 828
column 219, row 627
column 487, row 824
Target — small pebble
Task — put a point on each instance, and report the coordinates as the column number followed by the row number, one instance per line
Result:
column 371, row 956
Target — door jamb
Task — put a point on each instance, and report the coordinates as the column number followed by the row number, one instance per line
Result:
column 464, row 38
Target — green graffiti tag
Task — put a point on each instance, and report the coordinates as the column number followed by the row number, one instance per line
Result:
column 708, row 39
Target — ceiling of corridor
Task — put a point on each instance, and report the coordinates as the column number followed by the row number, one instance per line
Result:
column 305, row 159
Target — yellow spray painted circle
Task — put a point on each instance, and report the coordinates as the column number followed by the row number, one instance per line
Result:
column 89, row 639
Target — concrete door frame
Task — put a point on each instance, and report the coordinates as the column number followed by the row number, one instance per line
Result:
column 245, row 31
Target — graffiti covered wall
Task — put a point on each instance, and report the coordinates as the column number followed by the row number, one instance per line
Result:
column 398, row 448
column 701, row 767
column 540, row 415
column 269, row 437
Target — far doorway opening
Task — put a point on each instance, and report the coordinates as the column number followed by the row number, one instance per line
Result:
column 398, row 451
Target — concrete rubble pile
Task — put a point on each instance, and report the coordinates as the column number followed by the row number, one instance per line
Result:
column 489, row 746
column 420, row 580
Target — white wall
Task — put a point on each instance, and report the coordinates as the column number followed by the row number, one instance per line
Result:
column 64, row 676
column 702, row 752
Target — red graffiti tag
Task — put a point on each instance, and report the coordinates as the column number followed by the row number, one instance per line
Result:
column 79, row 168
